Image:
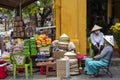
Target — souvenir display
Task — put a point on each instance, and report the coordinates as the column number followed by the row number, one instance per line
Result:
column 18, row 28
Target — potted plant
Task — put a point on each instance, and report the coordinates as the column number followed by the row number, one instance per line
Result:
column 116, row 33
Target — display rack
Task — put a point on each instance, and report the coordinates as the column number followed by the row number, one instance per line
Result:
column 19, row 28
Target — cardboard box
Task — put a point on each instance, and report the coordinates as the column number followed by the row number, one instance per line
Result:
column 61, row 73
column 63, row 68
column 63, row 64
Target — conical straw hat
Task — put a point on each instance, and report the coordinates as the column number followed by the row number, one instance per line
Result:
column 109, row 39
column 96, row 27
column 63, row 35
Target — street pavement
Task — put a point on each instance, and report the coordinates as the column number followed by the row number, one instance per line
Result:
column 102, row 76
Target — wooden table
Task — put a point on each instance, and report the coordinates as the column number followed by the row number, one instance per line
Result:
column 50, row 67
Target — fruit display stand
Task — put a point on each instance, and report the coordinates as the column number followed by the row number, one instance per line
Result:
column 47, row 67
column 43, row 53
column 43, row 45
column 45, row 49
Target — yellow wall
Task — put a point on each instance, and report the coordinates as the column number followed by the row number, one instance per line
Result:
column 109, row 8
column 57, row 17
column 70, row 18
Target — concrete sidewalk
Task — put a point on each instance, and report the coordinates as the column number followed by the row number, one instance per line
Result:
column 102, row 75
column 36, row 76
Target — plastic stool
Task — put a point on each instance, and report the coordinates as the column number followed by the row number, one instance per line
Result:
column 42, row 70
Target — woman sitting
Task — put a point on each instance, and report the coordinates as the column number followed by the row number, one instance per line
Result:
column 92, row 64
column 96, row 39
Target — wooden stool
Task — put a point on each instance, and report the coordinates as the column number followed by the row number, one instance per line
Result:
column 51, row 69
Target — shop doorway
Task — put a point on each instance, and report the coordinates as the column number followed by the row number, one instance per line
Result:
column 115, row 11
column 97, row 14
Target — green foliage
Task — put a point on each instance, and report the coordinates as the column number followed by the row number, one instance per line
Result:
column 35, row 7
column 1, row 9
column 117, row 38
column 45, row 2
column 30, row 10
column 43, row 8
column 116, row 33
column 8, row 12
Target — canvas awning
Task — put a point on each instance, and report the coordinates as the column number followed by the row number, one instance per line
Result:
column 14, row 4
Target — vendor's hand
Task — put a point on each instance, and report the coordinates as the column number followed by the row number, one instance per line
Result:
column 94, row 58
column 100, row 47
column 97, row 46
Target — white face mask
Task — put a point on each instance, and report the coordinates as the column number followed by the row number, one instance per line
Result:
column 97, row 32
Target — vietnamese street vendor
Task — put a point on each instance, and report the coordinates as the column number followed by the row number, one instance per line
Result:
column 103, row 59
column 97, row 40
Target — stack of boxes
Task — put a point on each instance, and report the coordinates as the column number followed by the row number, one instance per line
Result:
column 18, row 28
column 33, row 48
column 30, row 46
column 73, row 63
column 26, row 48
column 63, row 68
column 74, row 67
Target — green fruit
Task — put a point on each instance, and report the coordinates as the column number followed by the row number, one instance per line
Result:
column 44, row 45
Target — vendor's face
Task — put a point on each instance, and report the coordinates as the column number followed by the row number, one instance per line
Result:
column 97, row 32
